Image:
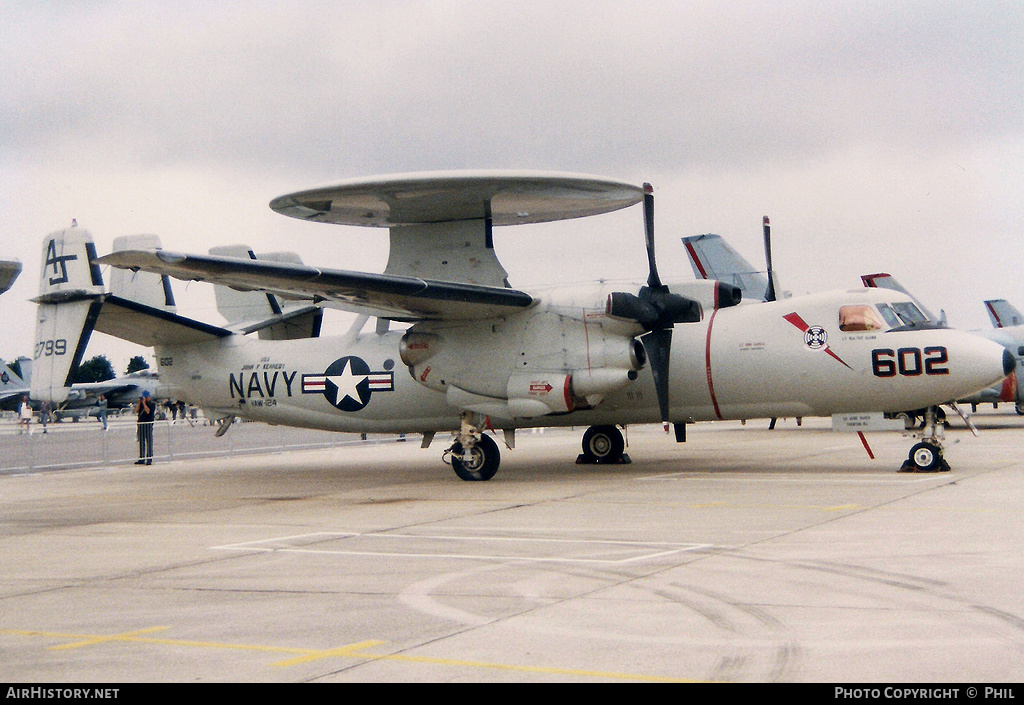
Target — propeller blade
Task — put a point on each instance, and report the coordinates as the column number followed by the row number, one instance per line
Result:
column 658, row 344
column 769, row 295
column 653, row 280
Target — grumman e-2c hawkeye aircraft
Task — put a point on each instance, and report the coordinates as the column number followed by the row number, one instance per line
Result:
column 481, row 355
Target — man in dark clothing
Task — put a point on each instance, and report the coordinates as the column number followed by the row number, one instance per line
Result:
column 145, row 410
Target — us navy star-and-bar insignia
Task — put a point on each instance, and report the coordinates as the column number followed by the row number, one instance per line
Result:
column 348, row 383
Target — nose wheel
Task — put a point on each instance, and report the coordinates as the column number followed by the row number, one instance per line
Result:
column 926, row 456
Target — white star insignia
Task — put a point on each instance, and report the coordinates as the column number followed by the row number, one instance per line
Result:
column 346, row 382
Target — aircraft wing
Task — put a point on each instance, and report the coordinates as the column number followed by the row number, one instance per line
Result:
column 390, row 296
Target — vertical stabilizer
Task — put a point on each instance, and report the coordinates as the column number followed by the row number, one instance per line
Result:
column 148, row 288
column 711, row 257
column 269, row 315
column 883, row 280
column 69, row 301
column 1003, row 314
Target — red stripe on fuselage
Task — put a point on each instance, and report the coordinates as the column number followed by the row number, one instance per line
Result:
column 707, row 364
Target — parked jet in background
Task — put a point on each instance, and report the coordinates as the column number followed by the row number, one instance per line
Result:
column 12, row 387
column 9, row 271
column 481, row 355
column 1008, row 331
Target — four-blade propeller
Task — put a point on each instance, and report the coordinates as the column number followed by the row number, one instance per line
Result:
column 656, row 309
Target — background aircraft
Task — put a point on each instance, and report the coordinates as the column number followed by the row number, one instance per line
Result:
column 481, row 355
column 9, row 271
column 1008, row 331
column 12, row 388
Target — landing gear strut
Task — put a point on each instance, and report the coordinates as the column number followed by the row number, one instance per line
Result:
column 474, row 456
column 926, row 456
column 603, row 444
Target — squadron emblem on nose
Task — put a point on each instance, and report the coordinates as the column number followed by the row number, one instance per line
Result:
column 348, row 383
column 815, row 337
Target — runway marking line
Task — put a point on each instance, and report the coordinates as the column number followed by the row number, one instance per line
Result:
column 302, row 543
column 351, row 651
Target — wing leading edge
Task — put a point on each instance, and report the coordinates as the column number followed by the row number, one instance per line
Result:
column 385, row 295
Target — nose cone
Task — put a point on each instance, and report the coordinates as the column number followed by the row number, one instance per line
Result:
column 984, row 363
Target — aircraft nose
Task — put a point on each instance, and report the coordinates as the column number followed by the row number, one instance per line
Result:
column 1009, row 363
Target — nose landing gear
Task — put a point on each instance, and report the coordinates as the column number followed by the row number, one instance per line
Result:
column 926, row 456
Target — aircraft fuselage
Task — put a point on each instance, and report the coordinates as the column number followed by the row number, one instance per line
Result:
column 780, row 359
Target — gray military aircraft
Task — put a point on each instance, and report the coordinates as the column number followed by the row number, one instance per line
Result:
column 9, row 271
column 480, row 355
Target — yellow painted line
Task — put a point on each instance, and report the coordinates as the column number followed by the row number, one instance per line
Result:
column 354, row 651
column 93, row 640
column 349, row 651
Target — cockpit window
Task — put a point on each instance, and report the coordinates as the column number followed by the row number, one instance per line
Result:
column 909, row 313
column 889, row 315
column 859, row 318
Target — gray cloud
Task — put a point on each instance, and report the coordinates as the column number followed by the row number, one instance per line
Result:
column 865, row 129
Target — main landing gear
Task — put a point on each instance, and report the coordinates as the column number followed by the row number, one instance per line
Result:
column 926, row 455
column 603, row 444
column 474, row 456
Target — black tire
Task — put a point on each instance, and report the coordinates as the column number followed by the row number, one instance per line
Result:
column 1019, row 408
column 480, row 462
column 603, row 444
column 925, row 457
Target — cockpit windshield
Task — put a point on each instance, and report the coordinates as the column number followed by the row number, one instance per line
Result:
column 905, row 313
column 862, row 317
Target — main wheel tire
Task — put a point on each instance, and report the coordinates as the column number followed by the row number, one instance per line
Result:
column 926, row 457
column 1019, row 408
column 478, row 463
column 603, row 444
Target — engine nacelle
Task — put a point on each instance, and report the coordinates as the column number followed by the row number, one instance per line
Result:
column 532, row 395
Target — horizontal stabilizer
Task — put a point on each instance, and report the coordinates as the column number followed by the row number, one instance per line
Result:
column 1003, row 314
column 383, row 295
column 150, row 326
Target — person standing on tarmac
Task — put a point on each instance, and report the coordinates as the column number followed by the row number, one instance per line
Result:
column 146, row 411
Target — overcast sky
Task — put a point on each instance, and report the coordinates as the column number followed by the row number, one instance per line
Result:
column 878, row 136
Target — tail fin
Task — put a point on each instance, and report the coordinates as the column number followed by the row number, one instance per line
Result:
column 9, row 379
column 147, row 288
column 1003, row 314
column 883, row 280
column 263, row 312
column 69, row 301
column 713, row 258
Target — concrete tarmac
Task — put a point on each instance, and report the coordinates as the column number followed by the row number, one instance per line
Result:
column 743, row 555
